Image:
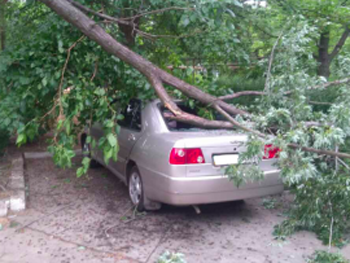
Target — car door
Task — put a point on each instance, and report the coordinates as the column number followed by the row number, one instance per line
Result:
column 130, row 132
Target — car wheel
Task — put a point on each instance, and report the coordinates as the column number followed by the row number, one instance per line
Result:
column 86, row 149
column 136, row 193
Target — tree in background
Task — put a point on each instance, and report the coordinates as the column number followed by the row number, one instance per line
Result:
column 2, row 24
column 330, row 19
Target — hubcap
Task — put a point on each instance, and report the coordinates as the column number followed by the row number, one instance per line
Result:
column 135, row 189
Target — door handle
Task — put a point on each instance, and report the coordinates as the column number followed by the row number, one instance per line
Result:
column 131, row 137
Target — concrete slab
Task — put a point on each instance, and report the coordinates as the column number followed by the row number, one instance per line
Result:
column 4, row 206
column 37, row 155
column 42, row 155
column 16, row 182
column 18, row 201
column 16, row 189
column 18, row 164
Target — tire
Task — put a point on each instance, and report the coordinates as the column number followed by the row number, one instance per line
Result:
column 86, row 150
column 135, row 187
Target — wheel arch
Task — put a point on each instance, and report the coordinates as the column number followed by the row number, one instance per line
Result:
column 83, row 138
column 129, row 166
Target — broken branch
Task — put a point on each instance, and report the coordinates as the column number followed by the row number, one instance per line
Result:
column 331, row 83
column 242, row 93
column 157, row 11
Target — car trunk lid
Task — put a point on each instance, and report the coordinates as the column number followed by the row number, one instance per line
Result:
column 219, row 147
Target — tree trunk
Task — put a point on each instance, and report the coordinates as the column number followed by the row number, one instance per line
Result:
column 324, row 68
column 2, row 25
column 323, row 56
column 129, row 34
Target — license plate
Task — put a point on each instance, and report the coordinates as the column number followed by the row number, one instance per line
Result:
column 225, row 159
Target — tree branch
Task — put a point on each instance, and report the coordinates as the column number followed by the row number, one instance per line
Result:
column 331, row 83
column 63, row 72
column 341, row 42
column 237, row 124
column 268, row 74
column 129, row 21
column 152, row 36
column 88, row 10
column 261, row 93
column 157, row 11
column 321, row 152
column 201, row 122
column 315, row 124
column 242, row 93
column 320, row 103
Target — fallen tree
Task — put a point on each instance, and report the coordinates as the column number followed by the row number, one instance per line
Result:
column 73, row 13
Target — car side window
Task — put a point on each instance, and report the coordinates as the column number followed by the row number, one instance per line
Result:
column 132, row 116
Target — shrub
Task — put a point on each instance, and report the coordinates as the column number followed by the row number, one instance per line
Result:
column 321, row 205
column 321, row 256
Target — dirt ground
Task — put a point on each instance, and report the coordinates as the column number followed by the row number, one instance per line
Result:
column 5, row 170
column 90, row 220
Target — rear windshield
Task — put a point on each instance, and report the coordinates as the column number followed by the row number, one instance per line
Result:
column 174, row 125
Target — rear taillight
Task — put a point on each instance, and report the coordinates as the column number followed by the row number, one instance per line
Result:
column 270, row 151
column 186, row 156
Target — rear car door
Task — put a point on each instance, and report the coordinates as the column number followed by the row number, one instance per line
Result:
column 130, row 132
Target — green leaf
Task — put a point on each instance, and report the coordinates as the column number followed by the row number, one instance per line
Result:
column 44, row 81
column 86, row 161
column 21, row 139
column 70, row 153
column 80, row 172
column 109, row 124
column 68, row 128
column 60, row 46
column 108, row 152
column 112, row 139
column 100, row 91
column 59, row 124
column 117, row 129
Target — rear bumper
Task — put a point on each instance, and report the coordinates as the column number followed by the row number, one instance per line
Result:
column 209, row 189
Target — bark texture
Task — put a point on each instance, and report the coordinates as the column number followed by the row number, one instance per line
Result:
column 2, row 25
column 324, row 58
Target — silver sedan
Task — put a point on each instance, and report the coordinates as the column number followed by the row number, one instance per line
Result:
column 165, row 161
